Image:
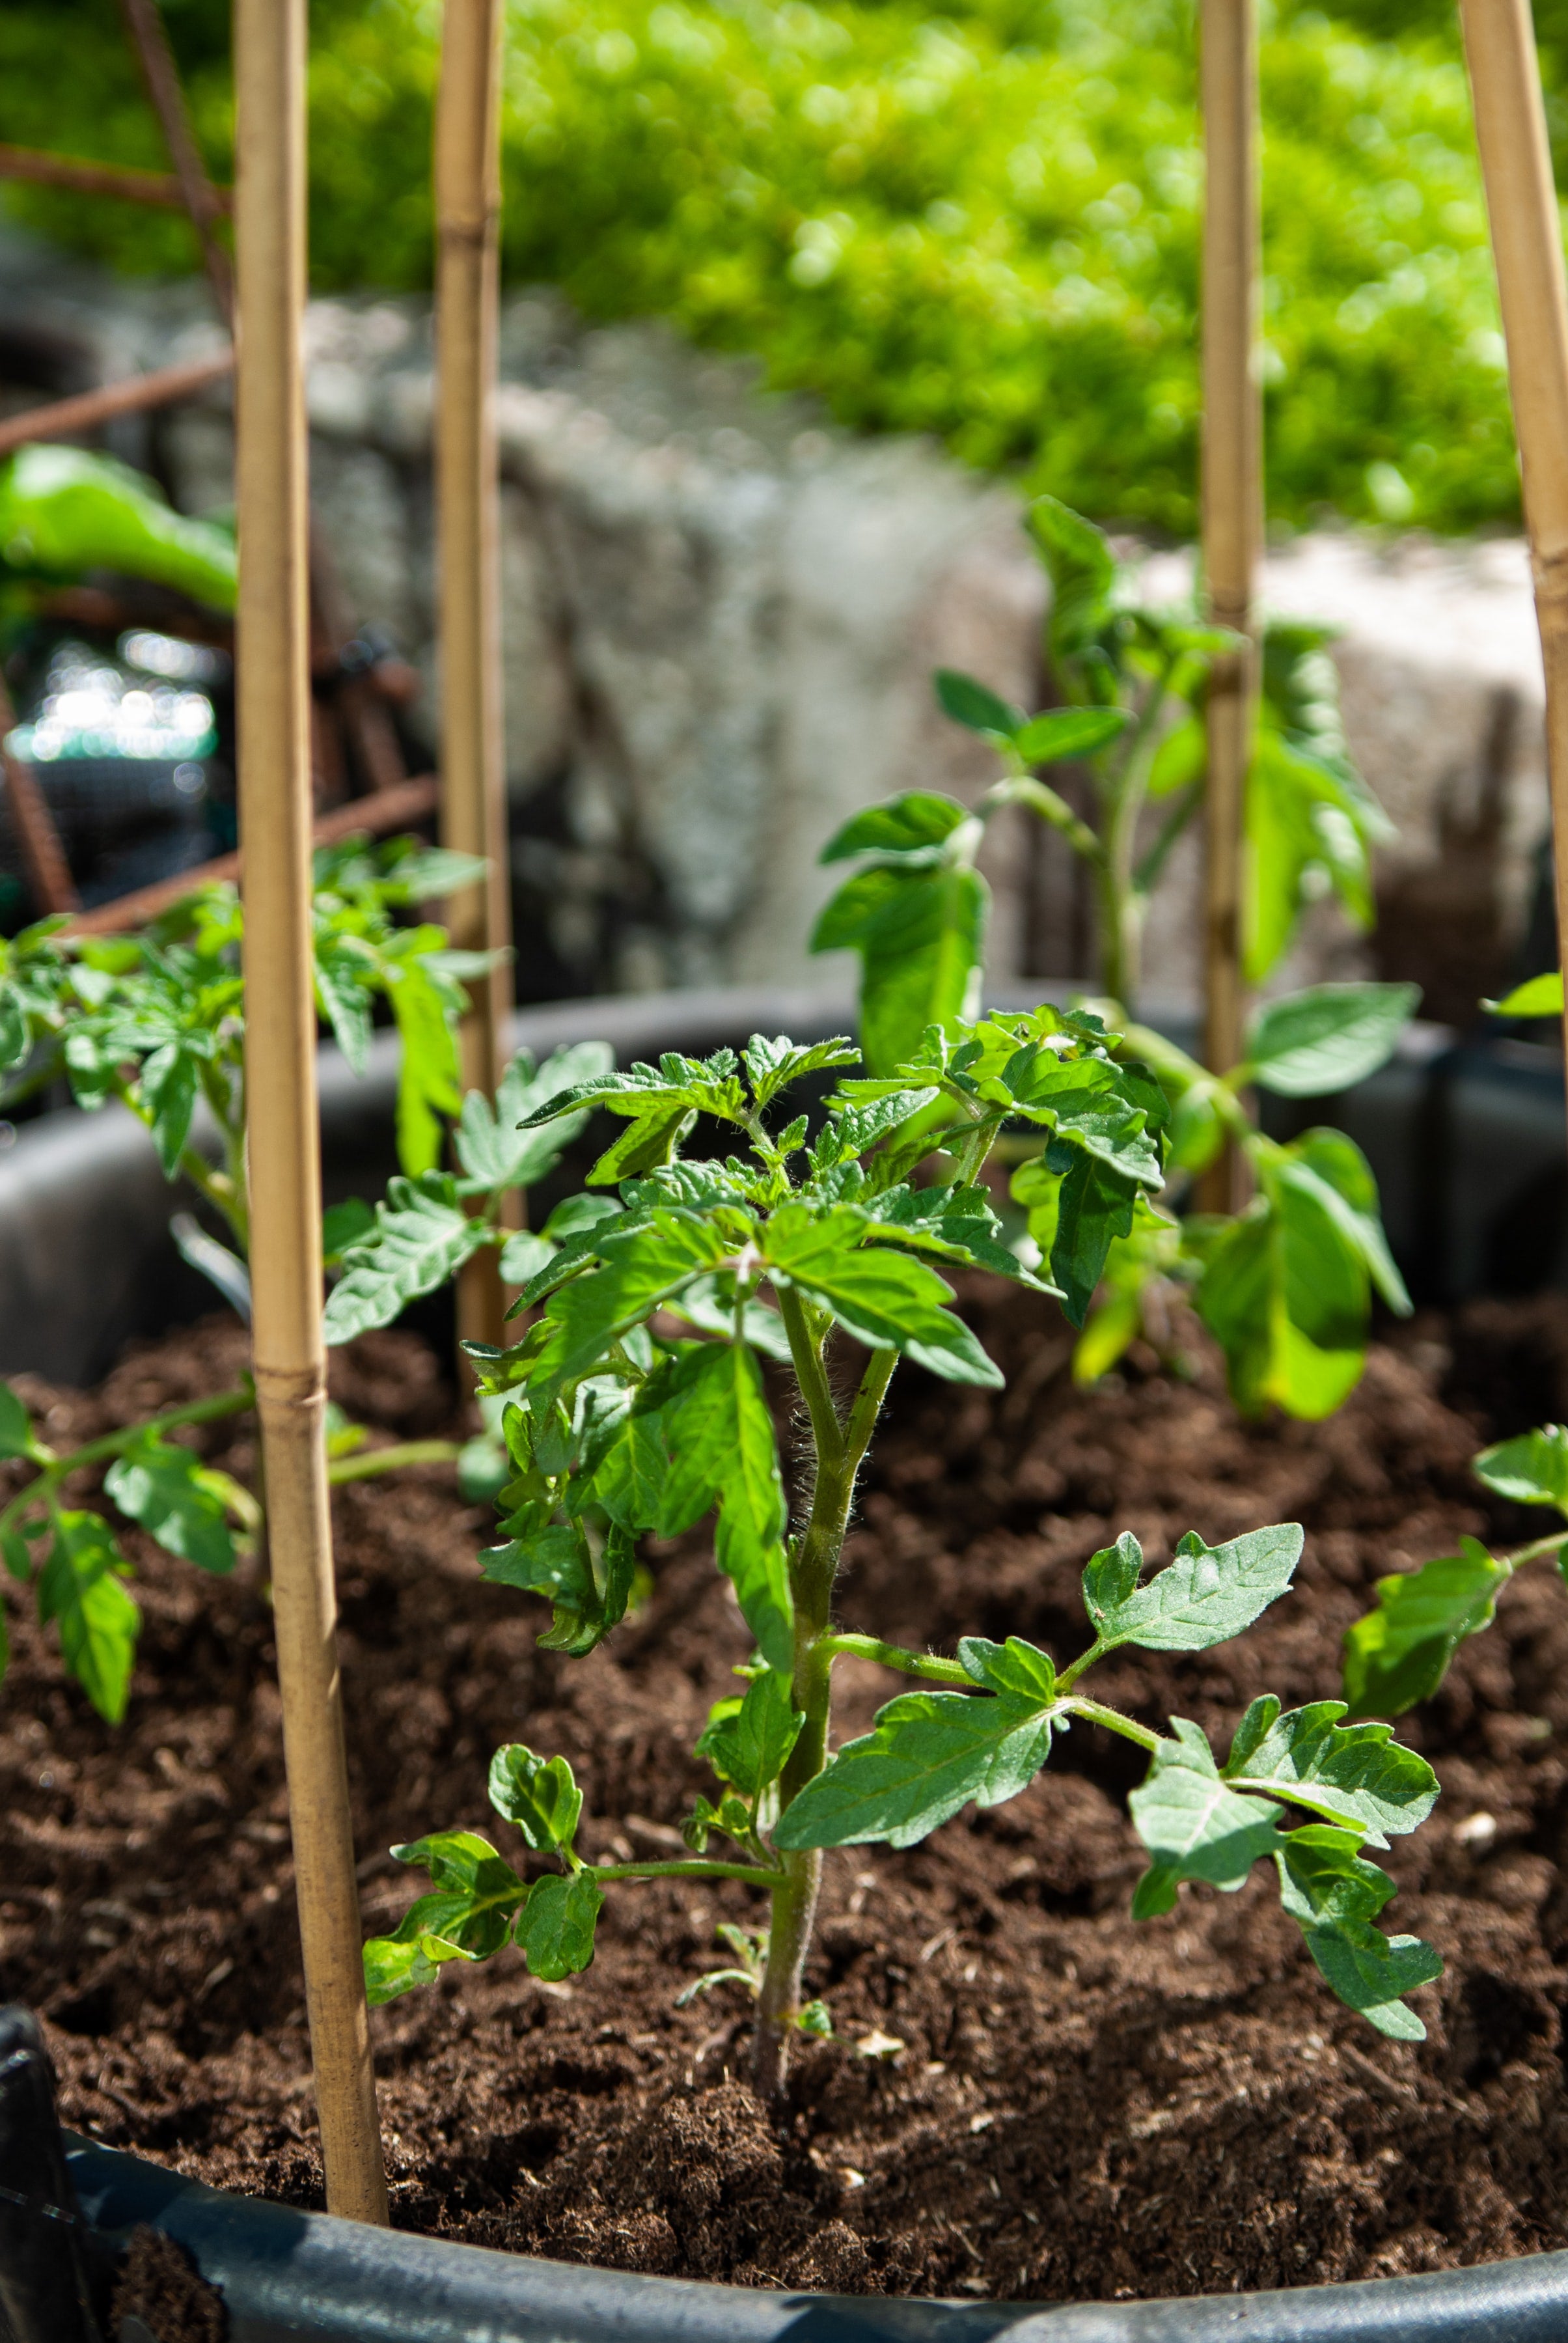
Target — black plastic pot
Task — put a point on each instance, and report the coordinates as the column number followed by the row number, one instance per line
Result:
column 1468, row 1147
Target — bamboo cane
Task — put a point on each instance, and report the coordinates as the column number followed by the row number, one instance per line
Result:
column 272, row 712
column 473, row 776
column 1527, row 248
column 1232, row 506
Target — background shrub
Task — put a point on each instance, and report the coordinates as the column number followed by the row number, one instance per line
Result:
column 981, row 224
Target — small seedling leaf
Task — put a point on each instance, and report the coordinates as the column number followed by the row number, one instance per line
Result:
column 1355, row 1775
column 538, row 1795
column 1398, row 1654
column 422, row 1237
column 748, row 1744
column 165, row 1488
column 880, row 1296
column 80, row 1587
column 555, row 1927
column 1532, row 1469
column 1333, row 1894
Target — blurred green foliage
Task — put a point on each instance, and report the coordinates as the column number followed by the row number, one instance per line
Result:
column 981, row 224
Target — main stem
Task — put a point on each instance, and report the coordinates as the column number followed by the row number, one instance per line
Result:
column 840, row 1443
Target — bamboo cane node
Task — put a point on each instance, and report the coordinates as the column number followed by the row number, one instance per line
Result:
column 289, row 1390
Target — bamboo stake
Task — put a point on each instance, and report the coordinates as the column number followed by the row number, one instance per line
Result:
column 272, row 709
column 1232, row 507
column 473, row 775
column 1527, row 248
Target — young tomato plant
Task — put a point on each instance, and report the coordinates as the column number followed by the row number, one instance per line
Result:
column 1286, row 1289
column 636, row 1402
column 157, row 1021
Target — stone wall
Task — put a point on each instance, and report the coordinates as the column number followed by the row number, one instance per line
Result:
column 720, row 617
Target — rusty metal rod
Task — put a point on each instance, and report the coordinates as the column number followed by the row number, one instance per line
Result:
column 65, row 418
column 77, row 176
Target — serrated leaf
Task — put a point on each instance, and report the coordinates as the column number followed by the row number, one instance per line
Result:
column 1202, row 1597
column 749, row 1746
column 1324, row 1039
column 1014, row 1667
column 80, row 1587
column 552, row 1561
column 538, row 1795
column 1355, row 1775
column 421, row 1238
column 16, row 1423
column 166, row 1488
column 649, row 1141
column 1194, row 1826
column 1398, row 1654
column 555, row 1928
column 493, row 1148
column 1094, row 1205
column 1532, row 1469
column 771, row 1065
column 918, row 821
column 1333, row 1895
column 167, row 1090
column 956, row 1224
column 880, row 1296
column 469, row 1917
column 524, row 1255
column 428, row 1076
column 976, row 705
column 641, row 1267
column 707, row 1304
column 928, row 1755
column 718, row 1436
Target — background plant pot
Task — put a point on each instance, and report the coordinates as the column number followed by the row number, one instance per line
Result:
column 1466, row 1140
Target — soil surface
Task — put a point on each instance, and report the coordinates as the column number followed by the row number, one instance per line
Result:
column 1028, row 2096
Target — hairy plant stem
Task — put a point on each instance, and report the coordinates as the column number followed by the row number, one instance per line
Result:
column 841, row 1443
column 371, row 1461
column 698, row 1868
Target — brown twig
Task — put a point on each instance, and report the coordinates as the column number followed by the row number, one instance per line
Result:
column 79, row 176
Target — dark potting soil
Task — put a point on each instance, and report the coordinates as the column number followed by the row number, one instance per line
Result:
column 1028, row 2096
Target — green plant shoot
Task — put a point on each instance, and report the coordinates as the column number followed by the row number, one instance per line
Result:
column 638, row 1402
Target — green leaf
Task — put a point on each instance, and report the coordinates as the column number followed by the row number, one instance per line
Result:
column 1081, row 568
column 524, row 1253
column 880, row 1296
column 80, row 1587
column 1284, row 1290
column 494, row 1151
column 718, row 1435
column 1398, row 1654
column 917, row 822
column 168, row 1095
column 929, row 1755
column 645, row 1144
column 553, row 1562
column 538, row 1795
column 343, row 1226
column 921, row 935
column 1353, row 1775
column 642, row 1266
column 167, row 1490
column 1538, row 996
column 1060, row 733
column 15, row 1555
column 13, row 1038
column 958, row 1223
column 1203, row 1596
column 748, row 1747
column 1094, row 1205
column 1532, row 1469
column 555, row 1927
column 709, row 1302
column 16, row 1423
column 428, row 1074
column 422, row 1237
column 469, row 1917
column 1014, row 1667
column 1326, row 1039
column 975, row 706
column 772, row 1065
column 1194, row 1826
column 70, row 510
column 1333, row 1894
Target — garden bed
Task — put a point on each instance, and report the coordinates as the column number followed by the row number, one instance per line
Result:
column 1080, row 2108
